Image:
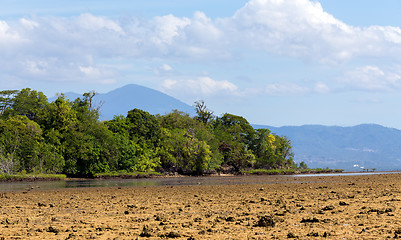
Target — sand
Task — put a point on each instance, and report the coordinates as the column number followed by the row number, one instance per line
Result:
column 341, row 207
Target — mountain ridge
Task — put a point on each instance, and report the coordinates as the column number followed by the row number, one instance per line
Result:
column 351, row 148
column 121, row 100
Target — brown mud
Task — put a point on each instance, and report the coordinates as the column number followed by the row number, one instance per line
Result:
column 335, row 207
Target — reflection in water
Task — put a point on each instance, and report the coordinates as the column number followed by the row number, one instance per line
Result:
column 173, row 181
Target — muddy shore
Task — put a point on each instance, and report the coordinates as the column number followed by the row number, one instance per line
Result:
column 335, row 207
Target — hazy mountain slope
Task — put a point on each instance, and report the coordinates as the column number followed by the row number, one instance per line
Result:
column 366, row 145
column 121, row 100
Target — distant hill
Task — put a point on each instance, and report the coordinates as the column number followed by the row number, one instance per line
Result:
column 367, row 145
column 121, row 100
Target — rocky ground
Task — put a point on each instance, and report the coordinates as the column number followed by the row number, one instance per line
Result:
column 347, row 207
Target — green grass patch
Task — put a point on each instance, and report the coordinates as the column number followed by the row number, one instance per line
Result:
column 125, row 174
column 31, row 177
column 290, row 171
column 321, row 170
column 270, row 171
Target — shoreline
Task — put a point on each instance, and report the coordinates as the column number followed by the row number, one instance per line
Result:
column 334, row 207
column 172, row 181
column 33, row 178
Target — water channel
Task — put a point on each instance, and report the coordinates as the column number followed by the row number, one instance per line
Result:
column 171, row 181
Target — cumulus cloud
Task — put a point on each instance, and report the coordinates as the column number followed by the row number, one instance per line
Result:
column 7, row 35
column 301, row 28
column 164, row 69
column 371, row 78
column 321, row 88
column 202, row 86
column 50, row 47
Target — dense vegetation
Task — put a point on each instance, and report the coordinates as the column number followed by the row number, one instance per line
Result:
column 66, row 137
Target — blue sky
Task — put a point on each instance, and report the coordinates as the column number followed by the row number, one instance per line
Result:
column 275, row 62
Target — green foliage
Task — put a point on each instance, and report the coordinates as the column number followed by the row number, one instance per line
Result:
column 20, row 140
column 147, row 159
column 181, row 152
column 8, row 163
column 49, row 159
column 37, row 137
column 235, row 136
column 186, row 138
column 89, row 149
column 204, row 115
column 302, row 165
column 6, row 99
column 29, row 103
column 143, row 126
column 134, row 152
column 127, row 151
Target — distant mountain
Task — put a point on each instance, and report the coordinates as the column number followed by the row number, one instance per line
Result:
column 350, row 148
column 121, row 100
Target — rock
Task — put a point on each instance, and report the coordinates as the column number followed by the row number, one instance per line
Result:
column 146, row 232
column 291, row 235
column 173, row 234
column 265, row 221
column 52, row 229
column 313, row 234
column 328, row 208
column 309, row 220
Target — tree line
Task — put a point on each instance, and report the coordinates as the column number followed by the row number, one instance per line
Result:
column 63, row 136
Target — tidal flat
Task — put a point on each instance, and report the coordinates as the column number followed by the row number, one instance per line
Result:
column 331, row 207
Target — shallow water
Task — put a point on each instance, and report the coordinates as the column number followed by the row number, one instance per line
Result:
column 344, row 174
column 173, row 181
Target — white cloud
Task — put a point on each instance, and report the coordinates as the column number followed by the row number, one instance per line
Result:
column 299, row 28
column 321, row 88
column 90, row 71
column 371, row 78
column 293, row 89
column 202, row 86
column 29, row 24
column 36, row 67
column 169, row 84
column 69, row 47
column 164, row 69
column 168, row 29
column 285, row 89
column 8, row 36
column 92, row 23
column 295, row 28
